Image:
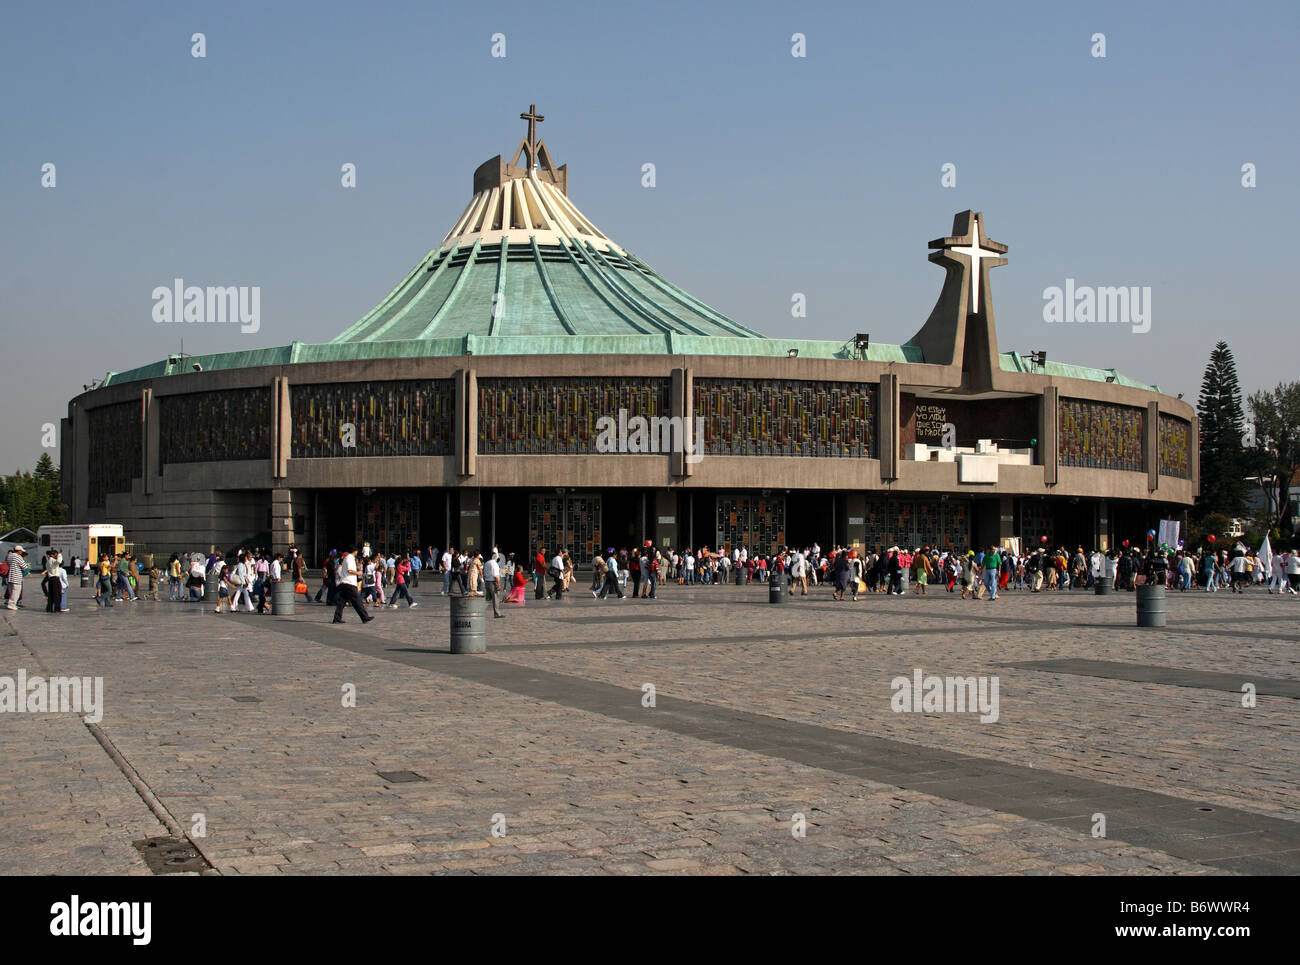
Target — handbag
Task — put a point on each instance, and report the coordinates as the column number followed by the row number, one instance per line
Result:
column 300, row 588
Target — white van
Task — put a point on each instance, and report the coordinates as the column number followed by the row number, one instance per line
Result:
column 85, row 541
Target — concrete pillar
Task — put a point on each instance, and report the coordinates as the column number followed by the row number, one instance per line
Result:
column 471, row 422
column 471, row 519
column 664, row 508
column 1153, row 446
column 681, row 404
column 282, row 531
column 281, row 428
column 466, row 434
column 1103, row 525
column 146, row 444
column 1048, row 443
column 887, row 433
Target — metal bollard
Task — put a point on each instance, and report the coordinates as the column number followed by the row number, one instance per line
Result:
column 468, row 625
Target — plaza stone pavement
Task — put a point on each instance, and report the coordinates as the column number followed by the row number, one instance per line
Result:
column 761, row 713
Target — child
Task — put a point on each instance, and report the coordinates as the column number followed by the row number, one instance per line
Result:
column 223, row 593
column 155, row 575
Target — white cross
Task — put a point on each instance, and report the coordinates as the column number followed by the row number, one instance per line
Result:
column 976, row 254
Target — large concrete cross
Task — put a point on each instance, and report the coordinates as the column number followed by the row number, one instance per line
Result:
column 976, row 252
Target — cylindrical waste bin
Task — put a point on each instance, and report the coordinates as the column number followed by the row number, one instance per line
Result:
column 1151, row 605
column 1101, row 586
column 740, row 575
column 468, row 625
column 776, row 588
column 282, row 598
column 210, row 587
column 85, row 576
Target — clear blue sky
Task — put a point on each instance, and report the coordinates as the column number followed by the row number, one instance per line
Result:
column 775, row 175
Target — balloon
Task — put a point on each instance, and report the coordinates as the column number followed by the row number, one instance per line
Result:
column 1151, row 534
column 1126, row 544
column 1210, row 537
column 1043, row 538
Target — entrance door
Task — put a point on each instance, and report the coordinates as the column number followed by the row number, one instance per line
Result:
column 754, row 522
column 566, row 521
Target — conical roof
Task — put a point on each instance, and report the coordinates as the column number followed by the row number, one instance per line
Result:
column 522, row 260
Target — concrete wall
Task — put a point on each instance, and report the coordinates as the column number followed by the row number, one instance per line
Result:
column 221, row 501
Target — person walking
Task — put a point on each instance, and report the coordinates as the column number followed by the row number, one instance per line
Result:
column 992, row 566
column 611, row 577
column 50, row 581
column 556, row 572
column 400, row 577
column 470, row 574
column 650, row 565
column 634, row 566
column 492, row 584
column 239, row 580
column 447, row 557
column 345, row 588
column 921, row 572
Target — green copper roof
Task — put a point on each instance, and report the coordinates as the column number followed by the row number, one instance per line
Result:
column 538, row 291
column 664, row 344
column 1015, row 362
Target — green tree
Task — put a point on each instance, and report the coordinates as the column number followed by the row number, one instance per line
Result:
column 33, row 499
column 1222, row 425
column 45, row 468
column 1274, row 460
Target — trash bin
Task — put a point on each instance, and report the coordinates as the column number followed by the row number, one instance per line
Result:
column 740, row 575
column 1151, row 605
column 210, row 588
column 468, row 625
column 282, row 598
column 1101, row 586
column 85, row 578
column 776, row 588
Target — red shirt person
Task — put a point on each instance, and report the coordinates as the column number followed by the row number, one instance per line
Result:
column 539, row 573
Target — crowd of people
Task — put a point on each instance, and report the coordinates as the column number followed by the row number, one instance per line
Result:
column 351, row 577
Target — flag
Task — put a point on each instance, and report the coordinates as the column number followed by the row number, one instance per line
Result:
column 1266, row 558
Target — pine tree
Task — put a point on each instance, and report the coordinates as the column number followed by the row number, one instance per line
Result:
column 1222, row 424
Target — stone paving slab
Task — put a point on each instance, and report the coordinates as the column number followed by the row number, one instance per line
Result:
column 290, row 784
column 1173, row 676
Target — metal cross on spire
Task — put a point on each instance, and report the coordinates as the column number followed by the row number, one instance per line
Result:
column 530, row 145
